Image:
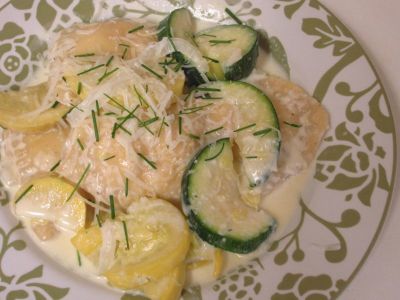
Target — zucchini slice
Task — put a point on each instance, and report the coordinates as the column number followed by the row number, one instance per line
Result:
column 213, row 205
column 256, row 128
column 232, row 50
column 179, row 24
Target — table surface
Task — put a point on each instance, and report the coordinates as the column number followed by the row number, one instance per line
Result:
column 376, row 24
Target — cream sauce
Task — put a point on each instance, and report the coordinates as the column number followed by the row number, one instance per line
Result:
column 283, row 204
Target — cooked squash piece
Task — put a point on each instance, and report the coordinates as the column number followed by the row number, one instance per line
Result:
column 17, row 110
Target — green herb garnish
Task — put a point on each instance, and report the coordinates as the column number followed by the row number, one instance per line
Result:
column 24, row 193
column 217, row 42
column 136, row 29
column 124, row 53
column 98, row 220
column 84, row 55
column 195, row 137
column 148, row 122
column 194, row 109
column 126, row 235
column 106, row 74
column 180, row 123
column 245, row 127
column 152, row 71
column 112, row 207
column 251, row 157
column 209, row 35
column 55, row 166
column 161, row 126
column 80, row 144
column 78, row 255
column 293, row 124
column 97, row 108
column 211, row 59
column 110, row 157
column 91, row 69
column 151, row 163
column 109, row 60
column 79, row 88
column 262, row 132
column 233, row 16
column 126, row 186
column 78, row 183
column 55, row 104
column 213, row 130
column 96, row 130
column 216, row 155
column 207, row 89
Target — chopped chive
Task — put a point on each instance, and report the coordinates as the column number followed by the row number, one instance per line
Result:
column 195, row 137
column 110, row 113
column 75, row 107
column 148, row 122
column 130, row 115
column 216, row 155
column 209, row 35
column 161, row 126
column 151, row 163
column 96, row 130
column 194, row 109
column 245, row 127
column 146, row 88
column 78, row 255
column 64, row 79
column 91, row 69
column 97, row 108
column 112, row 207
column 55, row 104
column 109, row 60
column 216, row 42
column 125, row 45
column 79, row 88
column 207, row 89
column 211, row 59
column 180, row 123
column 80, row 144
column 125, row 130
column 78, row 183
column 136, row 29
column 55, row 166
column 114, row 130
column 140, row 97
column 251, row 157
column 24, row 193
column 188, row 95
column 209, row 97
column 110, row 157
column 106, row 74
column 293, row 124
column 213, row 130
column 126, row 235
column 124, row 53
column 98, row 220
column 262, row 132
column 152, row 72
column 233, row 16
column 116, row 102
column 126, row 186
column 84, row 55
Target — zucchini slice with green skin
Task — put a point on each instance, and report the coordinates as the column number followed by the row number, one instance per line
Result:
column 179, row 24
column 232, row 50
column 213, row 205
column 256, row 128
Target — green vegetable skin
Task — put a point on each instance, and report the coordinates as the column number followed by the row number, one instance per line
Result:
column 179, row 24
column 242, row 38
column 221, row 227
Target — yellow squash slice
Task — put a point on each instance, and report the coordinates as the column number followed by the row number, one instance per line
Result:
column 158, row 242
column 16, row 109
column 46, row 198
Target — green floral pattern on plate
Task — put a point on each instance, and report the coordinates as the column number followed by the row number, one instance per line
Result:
column 355, row 165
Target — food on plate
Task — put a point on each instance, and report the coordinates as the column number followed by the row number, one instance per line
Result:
column 152, row 151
